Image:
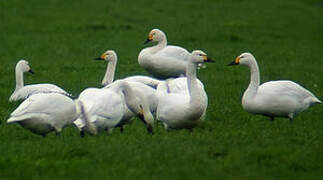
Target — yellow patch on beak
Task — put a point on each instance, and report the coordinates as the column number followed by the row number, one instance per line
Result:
column 204, row 57
column 150, row 37
column 103, row 56
column 237, row 60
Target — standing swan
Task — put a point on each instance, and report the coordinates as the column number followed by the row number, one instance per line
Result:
column 163, row 61
column 181, row 110
column 23, row 92
column 273, row 98
column 43, row 113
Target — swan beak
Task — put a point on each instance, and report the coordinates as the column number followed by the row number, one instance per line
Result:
column 150, row 38
column 209, row 60
column 142, row 118
column 235, row 62
column 32, row 72
column 99, row 59
column 102, row 57
column 147, row 41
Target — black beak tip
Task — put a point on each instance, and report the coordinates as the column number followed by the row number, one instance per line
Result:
column 32, row 72
column 147, row 41
column 210, row 60
column 233, row 63
column 98, row 59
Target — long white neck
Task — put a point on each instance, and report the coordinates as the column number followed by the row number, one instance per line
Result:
column 192, row 84
column 109, row 74
column 19, row 78
column 130, row 97
column 254, row 78
column 162, row 43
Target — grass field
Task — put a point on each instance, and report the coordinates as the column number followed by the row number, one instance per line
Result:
column 60, row 39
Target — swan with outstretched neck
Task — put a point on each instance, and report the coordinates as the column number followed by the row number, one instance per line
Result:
column 163, row 61
column 274, row 98
column 22, row 92
column 182, row 110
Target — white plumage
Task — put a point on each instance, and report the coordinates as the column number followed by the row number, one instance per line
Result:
column 274, row 98
column 184, row 109
column 163, row 61
column 105, row 108
column 43, row 113
column 22, row 92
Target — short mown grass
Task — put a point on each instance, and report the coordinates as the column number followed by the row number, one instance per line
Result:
column 60, row 39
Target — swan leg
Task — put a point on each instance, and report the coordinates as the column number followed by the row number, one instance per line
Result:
column 108, row 131
column 58, row 131
column 121, row 129
column 82, row 134
column 271, row 118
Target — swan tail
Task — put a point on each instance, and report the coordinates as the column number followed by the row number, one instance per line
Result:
column 12, row 120
column 80, row 110
column 15, row 119
column 315, row 100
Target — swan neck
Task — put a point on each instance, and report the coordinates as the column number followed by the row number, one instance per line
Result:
column 159, row 46
column 19, row 78
column 254, row 75
column 192, row 82
column 109, row 74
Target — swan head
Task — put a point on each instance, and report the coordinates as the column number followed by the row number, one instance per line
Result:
column 198, row 57
column 147, row 118
column 156, row 35
column 23, row 66
column 243, row 59
column 108, row 55
column 137, row 102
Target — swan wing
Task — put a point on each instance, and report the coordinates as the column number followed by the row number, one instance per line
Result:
column 46, row 107
column 144, row 79
column 285, row 88
column 174, row 52
column 29, row 90
column 103, row 105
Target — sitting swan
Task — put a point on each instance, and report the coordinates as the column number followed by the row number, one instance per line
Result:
column 273, row 98
column 105, row 108
column 163, row 61
column 22, row 92
column 43, row 113
column 182, row 110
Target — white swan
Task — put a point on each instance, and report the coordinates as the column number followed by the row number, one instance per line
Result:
column 105, row 108
column 143, row 84
column 22, row 92
column 273, row 98
column 163, row 61
column 111, row 57
column 43, row 113
column 181, row 110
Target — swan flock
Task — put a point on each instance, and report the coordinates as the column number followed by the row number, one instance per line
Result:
column 173, row 95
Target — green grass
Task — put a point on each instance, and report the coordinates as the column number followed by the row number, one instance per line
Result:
column 60, row 39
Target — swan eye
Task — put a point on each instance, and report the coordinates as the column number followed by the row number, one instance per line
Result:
column 241, row 57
